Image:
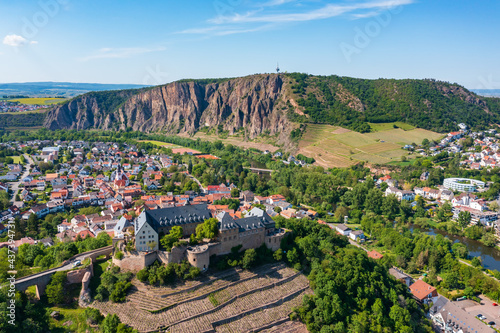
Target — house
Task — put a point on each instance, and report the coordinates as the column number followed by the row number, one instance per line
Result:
column 400, row 194
column 357, row 236
column 446, row 195
column 343, row 229
column 448, row 317
column 374, row 255
column 424, row 176
column 423, row 292
column 40, row 210
column 288, row 213
column 247, row 196
column 283, row 205
column 401, row 276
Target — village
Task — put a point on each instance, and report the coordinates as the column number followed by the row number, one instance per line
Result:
column 128, row 188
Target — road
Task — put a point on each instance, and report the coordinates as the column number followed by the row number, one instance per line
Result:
column 260, row 170
column 15, row 186
column 203, row 191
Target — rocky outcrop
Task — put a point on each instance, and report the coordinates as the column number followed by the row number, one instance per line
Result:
column 253, row 104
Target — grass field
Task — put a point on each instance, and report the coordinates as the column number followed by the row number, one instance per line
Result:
column 161, row 144
column 38, row 100
column 333, row 146
column 377, row 127
column 17, row 159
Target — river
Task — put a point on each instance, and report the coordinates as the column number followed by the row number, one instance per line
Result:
column 489, row 255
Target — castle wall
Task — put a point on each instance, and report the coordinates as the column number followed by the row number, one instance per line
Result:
column 176, row 255
column 249, row 239
column 273, row 242
column 135, row 263
column 199, row 259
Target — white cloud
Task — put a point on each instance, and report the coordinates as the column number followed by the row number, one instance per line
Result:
column 33, row 42
column 328, row 11
column 14, row 40
column 264, row 17
column 110, row 53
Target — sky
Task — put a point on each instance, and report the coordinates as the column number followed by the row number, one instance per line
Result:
column 158, row 41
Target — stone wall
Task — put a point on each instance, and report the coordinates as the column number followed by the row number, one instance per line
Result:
column 176, row 255
column 76, row 276
column 250, row 239
column 274, row 242
column 135, row 263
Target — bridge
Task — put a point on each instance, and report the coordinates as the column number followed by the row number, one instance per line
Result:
column 40, row 280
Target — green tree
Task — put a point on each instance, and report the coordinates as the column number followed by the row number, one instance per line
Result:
column 278, row 255
column 374, row 200
column 390, row 206
column 208, row 229
column 235, row 193
column 110, row 324
column 55, row 289
column 249, row 258
column 476, row 261
column 463, row 219
column 172, row 237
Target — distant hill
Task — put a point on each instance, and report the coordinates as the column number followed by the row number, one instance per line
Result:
column 487, row 92
column 64, row 89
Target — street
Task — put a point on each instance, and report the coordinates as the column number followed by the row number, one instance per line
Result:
column 14, row 187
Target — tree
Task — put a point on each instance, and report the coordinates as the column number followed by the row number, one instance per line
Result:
column 489, row 240
column 476, row 261
column 463, row 219
column 249, row 258
column 173, row 236
column 235, row 193
column 208, row 229
column 390, row 206
column 460, row 250
column 110, row 324
column 374, row 200
column 55, row 289
column 278, row 255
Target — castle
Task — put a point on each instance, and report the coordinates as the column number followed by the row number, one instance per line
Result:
column 255, row 229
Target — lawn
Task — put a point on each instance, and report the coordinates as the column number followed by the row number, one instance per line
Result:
column 17, row 159
column 38, row 101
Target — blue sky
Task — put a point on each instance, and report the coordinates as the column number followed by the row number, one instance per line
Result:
column 158, row 41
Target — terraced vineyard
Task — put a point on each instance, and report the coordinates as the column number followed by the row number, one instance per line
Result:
column 232, row 301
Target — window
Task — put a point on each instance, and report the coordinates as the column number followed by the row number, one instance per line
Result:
column 143, row 232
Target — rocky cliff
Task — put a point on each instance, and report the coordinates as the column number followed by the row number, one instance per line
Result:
column 254, row 104
column 272, row 104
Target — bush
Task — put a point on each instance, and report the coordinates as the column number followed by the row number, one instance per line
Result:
column 119, row 255
column 143, row 275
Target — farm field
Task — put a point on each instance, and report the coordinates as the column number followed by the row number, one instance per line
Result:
column 230, row 301
column 38, row 100
column 333, row 146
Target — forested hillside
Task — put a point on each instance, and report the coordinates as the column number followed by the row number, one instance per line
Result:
column 428, row 104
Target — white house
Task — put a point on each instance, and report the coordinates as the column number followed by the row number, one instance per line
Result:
column 357, row 235
column 343, row 229
column 400, row 194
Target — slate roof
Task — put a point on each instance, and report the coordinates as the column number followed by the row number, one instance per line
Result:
column 173, row 216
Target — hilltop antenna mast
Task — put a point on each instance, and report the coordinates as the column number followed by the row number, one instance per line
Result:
column 278, row 68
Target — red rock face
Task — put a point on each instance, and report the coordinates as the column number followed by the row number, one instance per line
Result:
column 254, row 104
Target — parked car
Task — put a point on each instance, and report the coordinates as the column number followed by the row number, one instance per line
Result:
column 495, row 304
column 77, row 263
column 491, row 323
